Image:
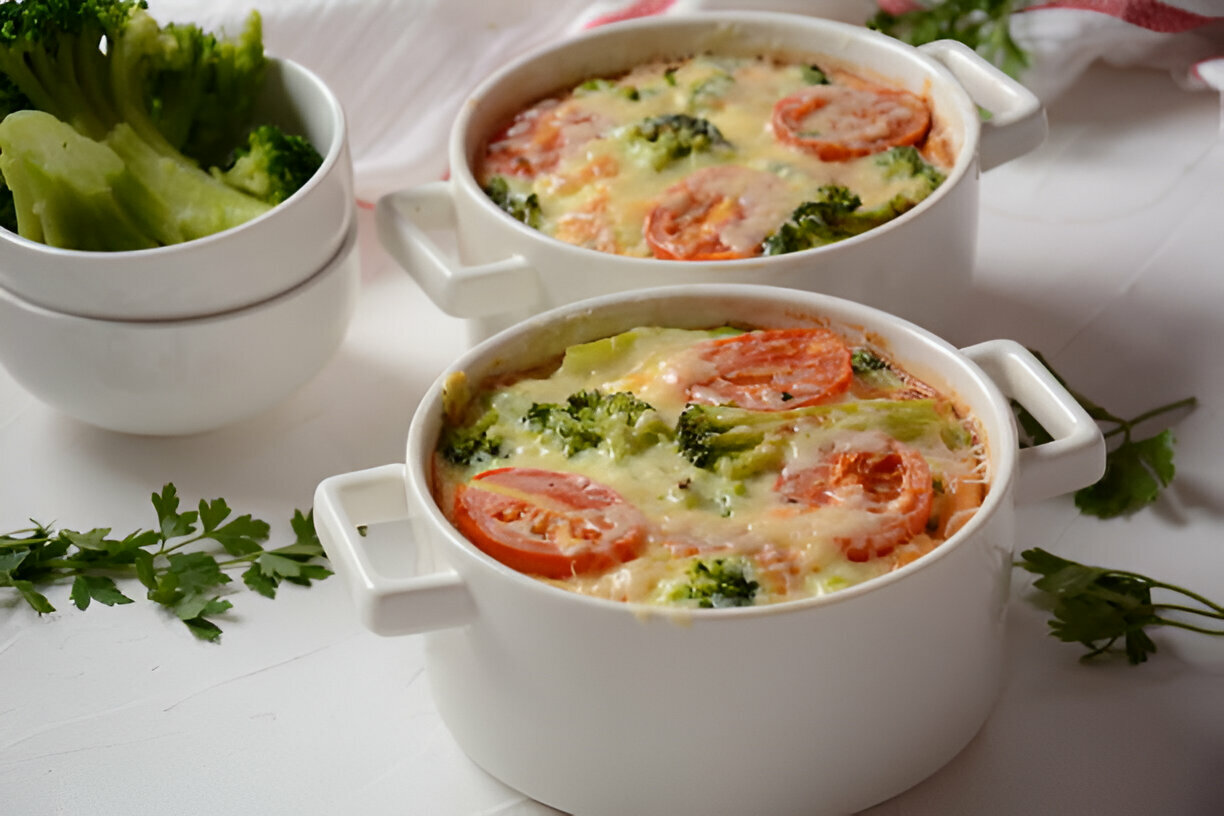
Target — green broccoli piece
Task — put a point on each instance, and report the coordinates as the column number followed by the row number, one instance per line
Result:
column 836, row 213
column 827, row 218
column 161, row 99
column 475, row 442
column 907, row 162
column 734, row 442
column 812, row 75
column 62, row 185
column 673, row 136
column 708, row 92
column 597, row 85
column 202, row 88
column 738, row 443
column 620, row 422
column 864, row 360
column 717, row 584
column 525, row 208
column 272, row 166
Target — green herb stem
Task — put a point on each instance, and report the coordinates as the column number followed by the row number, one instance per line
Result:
column 1126, row 426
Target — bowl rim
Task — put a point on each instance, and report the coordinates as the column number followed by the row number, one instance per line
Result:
column 10, row 241
column 333, row 263
column 1002, row 447
column 462, row 175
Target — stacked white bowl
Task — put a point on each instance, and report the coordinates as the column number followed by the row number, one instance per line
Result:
column 190, row 337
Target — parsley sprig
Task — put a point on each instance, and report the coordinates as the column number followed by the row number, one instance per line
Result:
column 1136, row 469
column 983, row 25
column 1097, row 606
column 183, row 564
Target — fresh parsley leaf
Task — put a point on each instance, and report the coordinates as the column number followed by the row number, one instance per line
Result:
column 983, row 25
column 1098, row 607
column 97, row 588
column 1136, row 469
column 187, row 582
column 1135, row 473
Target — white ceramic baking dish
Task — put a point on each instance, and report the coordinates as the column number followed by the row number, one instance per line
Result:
column 823, row 706
column 916, row 266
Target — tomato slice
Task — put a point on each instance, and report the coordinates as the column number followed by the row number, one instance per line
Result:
column 773, row 370
column 837, row 122
column 889, row 480
column 537, row 138
column 548, row 523
column 715, row 214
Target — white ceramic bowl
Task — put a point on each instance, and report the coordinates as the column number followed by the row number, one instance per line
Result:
column 821, row 706
column 228, row 270
column 181, row 376
column 916, row 266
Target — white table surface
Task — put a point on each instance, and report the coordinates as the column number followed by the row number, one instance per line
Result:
column 1102, row 249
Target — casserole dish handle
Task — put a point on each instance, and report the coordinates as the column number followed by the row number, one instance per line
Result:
column 404, row 220
column 387, row 606
column 1076, row 456
column 1017, row 122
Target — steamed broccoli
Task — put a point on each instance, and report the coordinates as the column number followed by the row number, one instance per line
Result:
column 472, row 443
column 272, row 165
column 738, row 443
column 718, row 583
column 673, row 136
column 525, row 208
column 827, row 218
column 907, row 162
column 166, row 101
column 836, row 213
column 588, row 419
column 735, row 442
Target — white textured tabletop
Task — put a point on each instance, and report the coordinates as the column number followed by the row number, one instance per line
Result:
column 1102, row 249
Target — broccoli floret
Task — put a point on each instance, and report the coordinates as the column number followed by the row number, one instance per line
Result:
column 62, row 185
column 164, row 100
column 596, row 85
column 708, row 93
column 827, row 218
column 738, row 443
column 836, row 213
column 673, row 136
column 273, row 165
column 620, row 422
column 525, row 208
column 471, row 443
column 718, row 583
column 812, row 75
column 733, row 442
column 202, row 88
column 907, row 162
column 863, row 360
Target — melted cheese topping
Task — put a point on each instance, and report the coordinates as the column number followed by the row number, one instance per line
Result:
column 789, row 548
column 596, row 180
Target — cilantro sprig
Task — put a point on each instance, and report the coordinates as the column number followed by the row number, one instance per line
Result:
column 1098, row 607
column 1136, row 469
column 983, row 25
column 184, row 564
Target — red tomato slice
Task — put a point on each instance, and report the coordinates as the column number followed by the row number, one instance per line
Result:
column 548, row 523
column 537, row 138
column 716, row 214
column 773, row 370
column 837, row 122
column 892, row 482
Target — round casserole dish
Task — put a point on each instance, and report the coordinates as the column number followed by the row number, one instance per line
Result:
column 916, row 265
column 821, row 706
